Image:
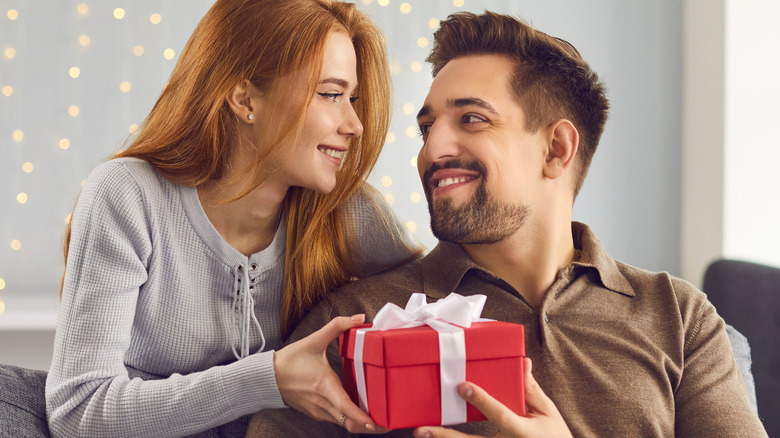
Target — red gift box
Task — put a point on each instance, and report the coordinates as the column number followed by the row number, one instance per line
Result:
column 402, row 377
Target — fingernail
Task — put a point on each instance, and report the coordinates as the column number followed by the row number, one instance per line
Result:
column 466, row 390
column 370, row 427
column 358, row 317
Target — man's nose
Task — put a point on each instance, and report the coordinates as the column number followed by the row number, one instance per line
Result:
column 441, row 143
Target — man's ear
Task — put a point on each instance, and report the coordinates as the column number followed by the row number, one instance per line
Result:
column 562, row 143
column 239, row 101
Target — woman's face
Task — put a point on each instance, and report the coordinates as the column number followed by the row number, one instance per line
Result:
column 330, row 120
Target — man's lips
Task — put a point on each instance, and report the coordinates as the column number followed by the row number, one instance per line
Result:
column 443, row 179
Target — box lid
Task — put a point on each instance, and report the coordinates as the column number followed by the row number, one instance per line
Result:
column 420, row 345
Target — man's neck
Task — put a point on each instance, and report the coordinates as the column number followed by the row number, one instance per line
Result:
column 530, row 259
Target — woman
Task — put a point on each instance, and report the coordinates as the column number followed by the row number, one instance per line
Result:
column 241, row 201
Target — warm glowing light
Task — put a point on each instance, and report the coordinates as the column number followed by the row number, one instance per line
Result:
column 422, row 42
column 133, row 128
column 408, row 108
column 18, row 135
column 16, row 245
column 74, row 110
column 433, row 23
column 64, row 144
column 125, row 87
column 12, row 14
column 84, row 40
column 155, row 18
column 119, row 13
column 415, row 197
column 169, row 54
column 83, row 9
column 412, row 226
column 390, row 137
column 457, row 3
column 21, row 198
column 74, row 72
column 2, row 285
column 383, row 2
column 2, row 304
column 10, row 52
column 367, row 2
column 406, row 8
column 416, row 66
column 395, row 68
column 8, row 91
column 390, row 198
column 412, row 131
column 387, row 181
column 413, row 161
column 138, row 50
column 28, row 167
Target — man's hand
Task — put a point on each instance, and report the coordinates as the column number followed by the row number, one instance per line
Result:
column 308, row 383
column 542, row 417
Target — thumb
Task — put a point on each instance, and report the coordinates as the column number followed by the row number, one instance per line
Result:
column 338, row 325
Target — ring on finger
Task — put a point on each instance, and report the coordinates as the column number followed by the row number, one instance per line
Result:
column 342, row 420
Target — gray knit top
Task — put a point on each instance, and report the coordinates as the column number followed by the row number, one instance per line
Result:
column 157, row 307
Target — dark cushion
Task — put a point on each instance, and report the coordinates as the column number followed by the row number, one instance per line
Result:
column 22, row 402
column 747, row 296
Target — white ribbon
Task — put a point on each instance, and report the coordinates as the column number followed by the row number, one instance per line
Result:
column 446, row 316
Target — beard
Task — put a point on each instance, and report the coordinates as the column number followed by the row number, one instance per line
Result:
column 480, row 220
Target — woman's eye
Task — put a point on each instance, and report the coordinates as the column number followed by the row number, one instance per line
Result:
column 331, row 96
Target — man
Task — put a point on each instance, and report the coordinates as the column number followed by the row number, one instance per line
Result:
column 510, row 125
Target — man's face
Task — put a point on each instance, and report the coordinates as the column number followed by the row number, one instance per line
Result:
column 479, row 167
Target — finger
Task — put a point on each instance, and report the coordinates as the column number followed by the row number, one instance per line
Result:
column 493, row 409
column 535, row 398
column 340, row 404
column 338, row 325
column 438, row 432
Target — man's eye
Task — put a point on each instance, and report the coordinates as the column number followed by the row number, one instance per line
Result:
column 471, row 118
column 331, row 96
column 424, row 129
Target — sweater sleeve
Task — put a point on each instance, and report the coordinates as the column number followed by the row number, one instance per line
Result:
column 711, row 399
column 89, row 391
column 376, row 237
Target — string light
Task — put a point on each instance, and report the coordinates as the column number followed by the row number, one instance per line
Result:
column 119, row 13
column 457, row 3
column 2, row 304
column 405, row 8
column 8, row 91
column 390, row 198
column 408, row 108
column 390, row 137
column 413, row 161
column 433, row 23
column 169, row 54
column 412, row 131
column 387, row 181
column 10, row 53
column 74, row 72
column 411, row 226
column 12, row 14
column 84, row 40
column 367, row 2
column 155, row 19
column 422, row 42
column 383, row 2
column 28, row 167
column 125, row 87
column 74, row 110
column 21, row 198
column 16, row 245
column 2, row 284
column 416, row 66
column 82, row 9
column 64, row 144
column 18, row 135
column 138, row 50
column 415, row 197
column 133, row 128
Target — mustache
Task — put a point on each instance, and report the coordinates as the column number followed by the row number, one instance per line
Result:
column 474, row 165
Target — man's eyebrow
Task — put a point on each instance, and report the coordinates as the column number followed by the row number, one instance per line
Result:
column 460, row 103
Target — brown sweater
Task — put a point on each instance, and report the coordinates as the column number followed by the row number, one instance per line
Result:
column 621, row 351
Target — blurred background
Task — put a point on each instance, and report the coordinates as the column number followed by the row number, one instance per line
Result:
column 685, row 172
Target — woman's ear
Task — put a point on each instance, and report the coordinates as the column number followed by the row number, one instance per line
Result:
column 240, row 101
column 562, row 143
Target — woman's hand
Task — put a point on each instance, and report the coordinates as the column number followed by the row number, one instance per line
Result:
column 542, row 417
column 308, row 383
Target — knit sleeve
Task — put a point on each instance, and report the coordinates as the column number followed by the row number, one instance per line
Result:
column 88, row 390
column 711, row 399
column 376, row 237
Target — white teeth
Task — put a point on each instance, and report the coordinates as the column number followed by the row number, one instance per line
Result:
column 333, row 153
column 449, row 181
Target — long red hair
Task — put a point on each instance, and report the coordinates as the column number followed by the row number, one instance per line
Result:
column 189, row 134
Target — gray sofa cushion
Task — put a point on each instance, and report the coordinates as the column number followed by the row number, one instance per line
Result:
column 22, row 402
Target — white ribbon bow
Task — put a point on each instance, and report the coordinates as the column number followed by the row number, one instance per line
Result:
column 446, row 316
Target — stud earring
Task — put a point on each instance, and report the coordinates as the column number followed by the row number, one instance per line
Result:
column 250, row 116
